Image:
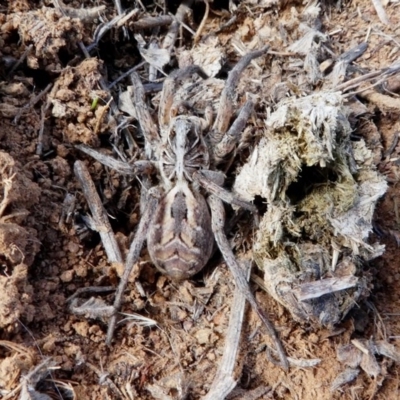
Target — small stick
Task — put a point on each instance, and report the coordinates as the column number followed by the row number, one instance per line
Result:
column 125, row 74
column 383, row 74
column 39, row 147
column 115, row 22
column 171, row 36
column 224, row 382
column 381, row 12
column 390, row 150
column 31, row 103
column 133, row 256
column 384, row 102
column 227, row 24
column 101, row 116
column 20, row 61
column 7, row 186
column 105, row 380
column 152, row 22
column 120, row 12
column 203, row 22
column 90, row 289
column 99, row 215
column 313, row 290
column 357, row 81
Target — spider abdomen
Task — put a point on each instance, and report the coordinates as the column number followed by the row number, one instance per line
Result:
column 180, row 239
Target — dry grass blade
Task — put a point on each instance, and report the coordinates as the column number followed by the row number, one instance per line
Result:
column 137, row 319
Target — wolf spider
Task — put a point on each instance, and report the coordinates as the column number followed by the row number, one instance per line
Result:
column 185, row 151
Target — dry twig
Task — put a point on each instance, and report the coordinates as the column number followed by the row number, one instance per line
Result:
column 381, row 12
column 224, row 381
column 99, row 215
column 32, row 102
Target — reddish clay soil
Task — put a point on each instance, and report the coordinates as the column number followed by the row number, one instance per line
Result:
column 51, row 99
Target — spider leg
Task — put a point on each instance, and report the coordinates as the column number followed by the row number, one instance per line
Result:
column 168, row 91
column 146, row 122
column 207, row 180
column 225, row 110
column 137, row 168
column 218, row 222
column 133, row 256
column 229, row 141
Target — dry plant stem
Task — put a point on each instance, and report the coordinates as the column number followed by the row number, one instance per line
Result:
column 32, row 102
column 385, row 103
column 125, row 74
column 364, row 88
column 224, row 381
column 90, row 289
column 103, row 378
column 227, row 24
column 170, row 38
column 39, row 147
column 225, row 110
column 100, row 118
column 381, row 12
column 203, row 22
column 357, row 81
column 120, row 11
column 313, row 290
column 152, row 22
column 118, row 6
column 132, row 258
column 393, row 145
column 99, row 215
column 241, row 49
column 384, row 74
column 218, row 221
column 115, row 22
column 20, row 61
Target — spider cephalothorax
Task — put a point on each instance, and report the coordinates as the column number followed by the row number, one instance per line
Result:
column 184, row 151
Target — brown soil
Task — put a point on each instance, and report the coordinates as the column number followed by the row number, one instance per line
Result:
column 47, row 252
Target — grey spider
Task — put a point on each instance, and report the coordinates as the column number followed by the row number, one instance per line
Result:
column 185, row 150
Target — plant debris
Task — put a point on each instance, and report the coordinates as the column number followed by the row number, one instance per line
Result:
column 321, row 190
